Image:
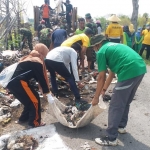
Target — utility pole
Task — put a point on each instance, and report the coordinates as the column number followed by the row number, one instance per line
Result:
column 7, row 23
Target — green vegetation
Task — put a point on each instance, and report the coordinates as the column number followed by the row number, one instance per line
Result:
column 125, row 20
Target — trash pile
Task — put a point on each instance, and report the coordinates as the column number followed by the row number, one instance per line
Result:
column 7, row 103
column 25, row 142
column 9, row 57
column 73, row 115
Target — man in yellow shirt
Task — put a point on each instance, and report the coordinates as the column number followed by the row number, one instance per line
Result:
column 114, row 31
column 82, row 39
column 146, row 41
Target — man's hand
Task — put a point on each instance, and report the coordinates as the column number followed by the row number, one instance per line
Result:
column 95, row 101
column 80, row 84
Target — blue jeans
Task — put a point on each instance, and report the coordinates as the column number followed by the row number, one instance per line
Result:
column 61, row 69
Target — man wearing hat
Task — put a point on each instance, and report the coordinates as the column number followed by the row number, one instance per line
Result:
column 130, row 69
column 114, row 31
column 90, row 52
column 69, row 10
column 146, row 41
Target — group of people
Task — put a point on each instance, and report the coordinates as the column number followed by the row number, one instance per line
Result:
column 45, row 10
column 138, row 41
column 61, row 56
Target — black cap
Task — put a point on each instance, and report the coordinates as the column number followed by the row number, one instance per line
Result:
column 88, row 31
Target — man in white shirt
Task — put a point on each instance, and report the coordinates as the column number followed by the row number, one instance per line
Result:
column 58, row 60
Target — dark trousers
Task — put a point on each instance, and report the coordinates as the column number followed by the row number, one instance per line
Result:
column 29, row 38
column 61, row 69
column 119, row 105
column 30, row 99
column 147, row 48
column 47, row 22
column 68, row 18
column 115, row 40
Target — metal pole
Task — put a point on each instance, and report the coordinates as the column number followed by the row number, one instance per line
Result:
column 7, row 23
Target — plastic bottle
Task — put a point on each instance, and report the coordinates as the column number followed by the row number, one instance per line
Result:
column 50, row 98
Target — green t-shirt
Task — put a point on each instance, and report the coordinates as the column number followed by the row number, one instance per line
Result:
column 78, row 31
column 121, row 59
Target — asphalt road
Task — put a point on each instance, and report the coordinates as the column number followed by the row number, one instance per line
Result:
column 138, row 128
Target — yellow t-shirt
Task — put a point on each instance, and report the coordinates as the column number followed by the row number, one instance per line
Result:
column 81, row 37
column 146, row 35
column 114, row 30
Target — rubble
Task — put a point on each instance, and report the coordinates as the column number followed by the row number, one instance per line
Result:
column 25, row 142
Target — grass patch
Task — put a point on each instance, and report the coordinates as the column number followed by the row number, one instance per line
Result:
column 144, row 57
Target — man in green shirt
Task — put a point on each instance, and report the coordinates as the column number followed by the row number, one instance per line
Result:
column 82, row 27
column 26, row 36
column 130, row 69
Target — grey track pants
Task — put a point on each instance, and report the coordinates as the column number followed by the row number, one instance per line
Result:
column 123, row 94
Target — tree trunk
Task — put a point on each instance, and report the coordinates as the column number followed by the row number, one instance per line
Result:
column 134, row 17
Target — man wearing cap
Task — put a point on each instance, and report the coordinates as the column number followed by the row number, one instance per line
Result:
column 114, row 31
column 90, row 52
column 83, row 40
column 146, row 41
column 69, row 10
column 130, row 69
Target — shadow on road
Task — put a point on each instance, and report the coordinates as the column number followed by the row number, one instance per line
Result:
column 92, row 131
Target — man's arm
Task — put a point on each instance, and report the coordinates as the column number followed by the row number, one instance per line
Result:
column 109, row 80
column 64, row 3
column 83, row 51
column 100, row 84
column 52, row 42
column 121, row 38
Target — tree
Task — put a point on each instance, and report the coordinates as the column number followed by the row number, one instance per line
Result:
column 145, row 16
column 134, row 17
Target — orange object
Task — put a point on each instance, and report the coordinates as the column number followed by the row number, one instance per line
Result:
column 46, row 11
column 33, row 99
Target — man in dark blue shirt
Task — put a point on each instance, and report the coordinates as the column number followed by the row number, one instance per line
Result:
column 58, row 37
column 69, row 10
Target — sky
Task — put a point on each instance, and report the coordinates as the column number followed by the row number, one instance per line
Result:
column 97, row 8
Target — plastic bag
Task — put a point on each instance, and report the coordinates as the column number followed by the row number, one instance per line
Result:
column 57, row 108
column 6, row 74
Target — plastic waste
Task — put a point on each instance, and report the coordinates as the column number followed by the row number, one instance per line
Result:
column 50, row 98
column 57, row 108
column 15, row 103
